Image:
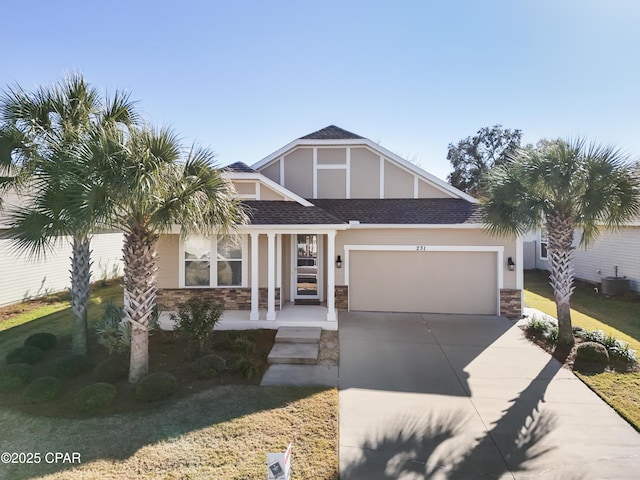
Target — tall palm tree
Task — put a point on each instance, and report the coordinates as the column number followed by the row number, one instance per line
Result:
column 46, row 137
column 157, row 187
column 564, row 186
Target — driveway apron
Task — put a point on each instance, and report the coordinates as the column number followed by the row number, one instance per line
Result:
column 468, row 397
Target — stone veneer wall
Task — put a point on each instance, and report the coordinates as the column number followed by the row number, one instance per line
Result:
column 511, row 303
column 342, row 297
column 233, row 298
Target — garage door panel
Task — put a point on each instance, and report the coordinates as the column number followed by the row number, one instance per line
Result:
column 439, row 282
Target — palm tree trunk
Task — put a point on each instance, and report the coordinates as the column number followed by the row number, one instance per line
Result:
column 560, row 230
column 80, row 282
column 140, row 285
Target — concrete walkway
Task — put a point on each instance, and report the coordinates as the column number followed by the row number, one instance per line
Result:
column 468, row 397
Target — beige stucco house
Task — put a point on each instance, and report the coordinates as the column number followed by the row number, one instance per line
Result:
column 340, row 223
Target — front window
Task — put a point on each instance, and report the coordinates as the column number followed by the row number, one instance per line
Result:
column 198, row 262
column 544, row 242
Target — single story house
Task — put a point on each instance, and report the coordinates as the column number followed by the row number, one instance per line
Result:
column 24, row 278
column 612, row 253
column 340, row 223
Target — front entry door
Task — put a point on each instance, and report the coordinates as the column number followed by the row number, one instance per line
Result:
column 307, row 278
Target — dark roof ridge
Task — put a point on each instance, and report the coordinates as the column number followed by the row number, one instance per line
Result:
column 331, row 132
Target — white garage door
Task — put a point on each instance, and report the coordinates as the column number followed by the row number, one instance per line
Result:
column 438, row 282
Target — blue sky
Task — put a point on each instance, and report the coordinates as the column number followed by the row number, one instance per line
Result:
column 247, row 77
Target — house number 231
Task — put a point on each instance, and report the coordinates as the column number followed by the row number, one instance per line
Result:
column 421, row 248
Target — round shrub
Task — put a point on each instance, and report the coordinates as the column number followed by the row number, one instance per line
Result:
column 208, row 366
column 43, row 389
column 13, row 376
column 591, row 357
column 72, row 366
column 156, row 386
column 111, row 370
column 44, row 341
column 27, row 354
column 94, row 397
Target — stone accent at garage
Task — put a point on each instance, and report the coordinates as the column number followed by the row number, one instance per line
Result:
column 342, row 298
column 233, row 298
column 511, row 303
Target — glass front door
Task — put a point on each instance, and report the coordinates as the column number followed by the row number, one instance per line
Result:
column 307, row 266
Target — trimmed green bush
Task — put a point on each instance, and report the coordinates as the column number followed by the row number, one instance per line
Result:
column 43, row 340
column 156, row 386
column 591, row 357
column 13, row 376
column 111, row 370
column 196, row 319
column 27, row 354
column 73, row 366
column 245, row 365
column 43, row 389
column 208, row 366
column 94, row 397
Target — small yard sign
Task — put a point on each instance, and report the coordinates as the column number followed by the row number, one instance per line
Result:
column 279, row 465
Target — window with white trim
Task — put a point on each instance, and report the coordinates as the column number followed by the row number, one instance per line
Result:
column 544, row 243
column 197, row 262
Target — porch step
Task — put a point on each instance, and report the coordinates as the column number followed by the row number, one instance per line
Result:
column 298, row 335
column 294, row 353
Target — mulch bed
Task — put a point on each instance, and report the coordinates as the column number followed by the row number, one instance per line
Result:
column 167, row 353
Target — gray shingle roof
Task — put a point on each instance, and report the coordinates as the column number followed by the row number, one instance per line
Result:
column 239, row 167
column 331, row 133
column 437, row 211
column 267, row 212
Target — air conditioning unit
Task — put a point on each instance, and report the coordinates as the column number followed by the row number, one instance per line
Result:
column 615, row 285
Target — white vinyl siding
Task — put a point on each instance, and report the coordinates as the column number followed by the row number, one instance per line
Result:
column 23, row 278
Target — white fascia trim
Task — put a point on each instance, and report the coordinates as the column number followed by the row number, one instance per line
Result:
column 376, row 147
column 321, row 229
column 465, row 226
column 269, row 183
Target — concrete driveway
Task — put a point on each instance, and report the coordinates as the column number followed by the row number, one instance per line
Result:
column 468, row 397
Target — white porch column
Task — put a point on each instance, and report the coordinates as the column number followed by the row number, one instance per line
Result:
column 271, row 275
column 331, row 277
column 255, row 294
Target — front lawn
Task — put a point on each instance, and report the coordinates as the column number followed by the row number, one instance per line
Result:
column 210, row 428
column 619, row 317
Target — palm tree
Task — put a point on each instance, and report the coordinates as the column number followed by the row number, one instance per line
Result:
column 564, row 186
column 46, row 137
column 158, row 187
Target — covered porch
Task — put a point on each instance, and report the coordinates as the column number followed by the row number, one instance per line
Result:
column 288, row 315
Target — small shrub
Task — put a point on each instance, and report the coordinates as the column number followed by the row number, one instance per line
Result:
column 241, row 345
column 542, row 329
column 245, row 365
column 112, row 330
column 156, row 386
column 72, row 366
column 196, row 320
column 94, row 397
column 591, row 357
column 43, row 340
column 621, row 355
column 27, row 354
column 43, row 389
column 208, row 366
column 592, row 336
column 13, row 376
column 111, row 370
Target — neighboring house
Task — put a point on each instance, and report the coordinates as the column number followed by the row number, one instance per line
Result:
column 341, row 222
column 612, row 252
column 23, row 278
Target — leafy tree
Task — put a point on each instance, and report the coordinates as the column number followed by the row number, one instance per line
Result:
column 157, row 187
column 43, row 137
column 474, row 156
column 563, row 186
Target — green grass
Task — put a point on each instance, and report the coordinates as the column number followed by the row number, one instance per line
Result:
column 618, row 317
column 224, row 432
column 55, row 317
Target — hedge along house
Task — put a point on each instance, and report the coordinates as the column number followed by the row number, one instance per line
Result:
column 340, row 223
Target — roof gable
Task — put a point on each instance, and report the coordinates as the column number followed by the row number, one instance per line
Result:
column 333, row 137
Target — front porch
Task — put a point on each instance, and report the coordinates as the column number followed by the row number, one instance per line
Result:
column 288, row 315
